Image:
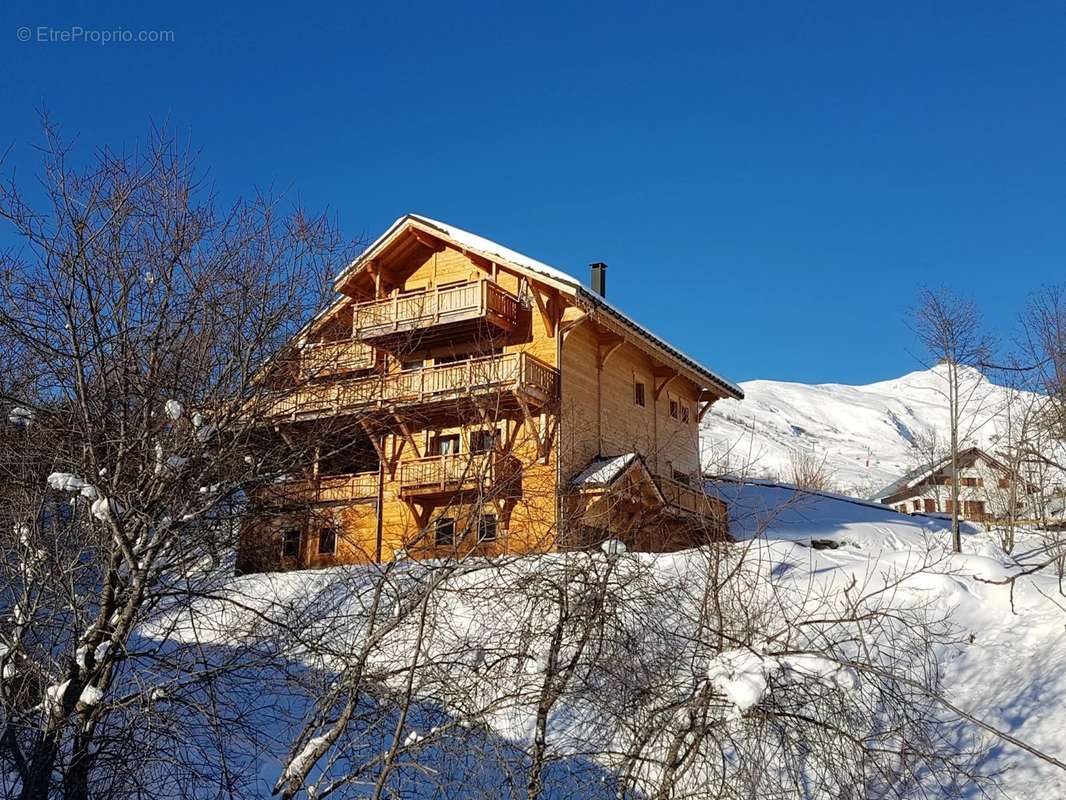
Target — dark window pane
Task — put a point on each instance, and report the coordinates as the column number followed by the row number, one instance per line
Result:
column 290, row 547
column 445, row 531
column 327, row 541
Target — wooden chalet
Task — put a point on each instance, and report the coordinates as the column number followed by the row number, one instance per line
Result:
column 479, row 401
column 988, row 489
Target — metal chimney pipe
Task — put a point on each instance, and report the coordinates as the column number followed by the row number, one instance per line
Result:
column 599, row 278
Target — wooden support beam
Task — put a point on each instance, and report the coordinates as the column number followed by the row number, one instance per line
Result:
column 668, row 376
column 374, row 441
column 546, row 309
column 608, row 343
column 436, row 245
column 531, row 423
column 704, row 408
column 480, row 262
column 406, row 431
column 420, row 512
column 569, row 321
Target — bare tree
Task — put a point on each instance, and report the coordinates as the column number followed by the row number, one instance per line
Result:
column 810, row 472
column 135, row 317
column 949, row 328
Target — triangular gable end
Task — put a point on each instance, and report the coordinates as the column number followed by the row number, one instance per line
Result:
column 411, row 240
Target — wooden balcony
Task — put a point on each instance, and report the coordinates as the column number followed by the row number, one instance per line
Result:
column 449, row 313
column 692, row 500
column 503, row 379
column 322, row 359
column 324, row 489
column 455, row 472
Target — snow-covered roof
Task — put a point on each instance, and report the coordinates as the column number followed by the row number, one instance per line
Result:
column 603, row 471
column 493, row 251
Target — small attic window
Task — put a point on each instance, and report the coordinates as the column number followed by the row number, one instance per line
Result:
column 638, row 393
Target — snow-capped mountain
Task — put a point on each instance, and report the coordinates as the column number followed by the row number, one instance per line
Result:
column 866, row 434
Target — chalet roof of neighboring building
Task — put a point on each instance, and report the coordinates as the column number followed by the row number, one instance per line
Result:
column 492, row 251
column 916, row 476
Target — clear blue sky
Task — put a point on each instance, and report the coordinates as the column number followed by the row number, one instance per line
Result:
column 769, row 182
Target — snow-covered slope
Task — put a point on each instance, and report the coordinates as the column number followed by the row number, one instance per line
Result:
column 866, row 434
column 1002, row 661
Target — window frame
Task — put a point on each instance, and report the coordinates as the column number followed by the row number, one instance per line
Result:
column 288, row 539
column 482, row 526
column 438, row 525
column 640, row 394
column 327, row 533
column 435, row 444
column 492, row 434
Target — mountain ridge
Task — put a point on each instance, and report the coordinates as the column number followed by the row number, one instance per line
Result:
column 867, row 434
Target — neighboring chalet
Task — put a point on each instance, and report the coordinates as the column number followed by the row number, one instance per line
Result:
column 987, row 489
column 472, row 400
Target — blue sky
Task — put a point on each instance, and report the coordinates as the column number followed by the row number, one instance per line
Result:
column 769, row 182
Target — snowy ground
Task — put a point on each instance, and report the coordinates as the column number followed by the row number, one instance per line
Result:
column 1012, row 675
column 1007, row 668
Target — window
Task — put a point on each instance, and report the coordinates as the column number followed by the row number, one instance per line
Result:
column 486, row 528
column 917, row 505
column 484, row 441
column 452, row 358
column 1004, row 483
column 327, row 541
column 638, row 393
column 414, row 365
column 290, row 543
column 444, row 532
column 684, row 412
column 675, row 409
column 930, row 504
column 681, row 477
column 444, row 445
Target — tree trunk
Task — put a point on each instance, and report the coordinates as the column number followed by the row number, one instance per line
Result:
column 953, row 404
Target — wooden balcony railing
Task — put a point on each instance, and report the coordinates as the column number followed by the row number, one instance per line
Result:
column 687, row 498
column 325, row 489
column 321, row 359
column 509, row 372
column 475, row 300
column 452, row 472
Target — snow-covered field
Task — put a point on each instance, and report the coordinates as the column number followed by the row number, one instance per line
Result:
column 1004, row 665
column 865, row 433
column 1010, row 667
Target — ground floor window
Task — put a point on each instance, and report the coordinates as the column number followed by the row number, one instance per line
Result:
column 930, row 504
column 444, row 532
column 327, row 542
column 486, row 528
column 290, row 543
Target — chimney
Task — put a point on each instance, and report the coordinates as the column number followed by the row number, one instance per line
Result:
column 599, row 278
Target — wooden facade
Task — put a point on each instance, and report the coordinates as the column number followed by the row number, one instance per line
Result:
column 467, row 388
